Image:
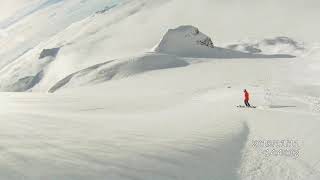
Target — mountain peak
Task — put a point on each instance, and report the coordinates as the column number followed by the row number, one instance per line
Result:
column 183, row 39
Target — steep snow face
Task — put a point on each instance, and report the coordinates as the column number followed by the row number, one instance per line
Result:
column 183, row 39
column 277, row 45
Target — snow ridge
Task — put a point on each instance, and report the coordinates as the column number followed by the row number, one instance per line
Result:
column 119, row 69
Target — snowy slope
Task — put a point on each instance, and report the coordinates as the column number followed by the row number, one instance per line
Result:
column 178, row 123
column 119, row 69
column 121, row 110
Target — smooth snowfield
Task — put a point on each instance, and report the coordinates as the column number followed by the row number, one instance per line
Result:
column 178, row 123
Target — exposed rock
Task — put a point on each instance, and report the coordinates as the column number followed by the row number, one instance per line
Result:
column 26, row 83
column 104, row 10
column 49, row 53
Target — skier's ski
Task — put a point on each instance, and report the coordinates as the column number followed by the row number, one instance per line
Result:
column 241, row 106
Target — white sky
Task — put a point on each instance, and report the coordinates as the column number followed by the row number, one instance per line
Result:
column 9, row 7
column 233, row 18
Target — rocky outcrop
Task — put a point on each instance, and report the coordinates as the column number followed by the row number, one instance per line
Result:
column 49, row 53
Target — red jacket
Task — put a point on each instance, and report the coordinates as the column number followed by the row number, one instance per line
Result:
column 246, row 96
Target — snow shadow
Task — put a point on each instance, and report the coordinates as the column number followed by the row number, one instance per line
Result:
column 280, row 106
column 204, row 161
column 226, row 160
column 224, row 53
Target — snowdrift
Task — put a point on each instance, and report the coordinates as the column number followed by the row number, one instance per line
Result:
column 188, row 41
column 118, row 69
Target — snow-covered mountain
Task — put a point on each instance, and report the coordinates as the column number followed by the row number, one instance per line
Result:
column 183, row 42
column 188, row 41
column 88, row 33
column 176, row 45
column 120, row 109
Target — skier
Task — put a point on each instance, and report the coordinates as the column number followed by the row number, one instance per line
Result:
column 246, row 98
